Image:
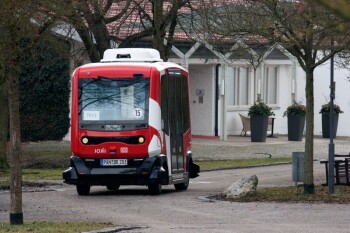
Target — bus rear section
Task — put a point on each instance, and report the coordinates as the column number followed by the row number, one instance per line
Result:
column 130, row 123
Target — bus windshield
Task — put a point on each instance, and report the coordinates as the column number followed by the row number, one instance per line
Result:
column 113, row 104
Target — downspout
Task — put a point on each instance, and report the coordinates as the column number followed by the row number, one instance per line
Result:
column 223, row 125
column 217, row 96
column 293, row 91
column 260, row 81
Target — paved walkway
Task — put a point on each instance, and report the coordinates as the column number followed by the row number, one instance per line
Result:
column 237, row 147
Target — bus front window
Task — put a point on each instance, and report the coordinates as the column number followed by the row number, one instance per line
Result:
column 113, row 104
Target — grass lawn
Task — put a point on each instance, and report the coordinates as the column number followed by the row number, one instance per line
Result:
column 53, row 227
column 237, row 163
column 30, row 175
column 295, row 194
column 46, row 155
column 40, row 161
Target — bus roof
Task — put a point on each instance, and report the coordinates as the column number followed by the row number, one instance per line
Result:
column 158, row 65
column 131, row 55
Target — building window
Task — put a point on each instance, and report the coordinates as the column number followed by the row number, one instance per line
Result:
column 238, row 85
column 270, row 85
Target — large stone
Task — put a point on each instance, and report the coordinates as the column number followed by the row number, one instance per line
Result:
column 242, row 187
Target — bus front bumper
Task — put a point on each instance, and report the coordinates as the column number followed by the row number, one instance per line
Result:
column 142, row 173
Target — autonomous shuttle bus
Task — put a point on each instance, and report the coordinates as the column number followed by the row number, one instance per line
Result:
column 130, row 123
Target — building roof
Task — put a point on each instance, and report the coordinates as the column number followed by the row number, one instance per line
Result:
column 136, row 20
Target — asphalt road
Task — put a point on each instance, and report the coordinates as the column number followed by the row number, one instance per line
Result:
column 134, row 210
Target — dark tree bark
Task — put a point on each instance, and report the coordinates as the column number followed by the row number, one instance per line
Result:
column 12, row 46
column 16, row 215
column 309, row 187
column 3, row 124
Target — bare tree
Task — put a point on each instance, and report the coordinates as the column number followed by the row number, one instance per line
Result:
column 99, row 23
column 163, row 23
column 304, row 29
column 20, row 27
column 339, row 7
column 91, row 19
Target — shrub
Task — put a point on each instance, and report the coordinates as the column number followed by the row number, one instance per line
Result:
column 44, row 91
column 260, row 109
column 326, row 108
column 295, row 109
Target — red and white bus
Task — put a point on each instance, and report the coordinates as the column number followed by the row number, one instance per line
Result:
column 130, row 123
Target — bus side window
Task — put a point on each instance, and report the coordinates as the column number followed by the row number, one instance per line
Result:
column 185, row 103
column 164, row 103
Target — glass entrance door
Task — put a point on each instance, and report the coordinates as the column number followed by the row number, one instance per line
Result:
column 175, row 121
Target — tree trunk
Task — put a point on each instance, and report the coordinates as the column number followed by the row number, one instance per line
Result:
column 158, row 30
column 101, row 36
column 309, row 187
column 85, row 36
column 3, row 124
column 169, row 45
column 16, row 214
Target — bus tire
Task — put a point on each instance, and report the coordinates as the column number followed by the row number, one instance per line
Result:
column 183, row 186
column 83, row 189
column 155, row 189
column 113, row 187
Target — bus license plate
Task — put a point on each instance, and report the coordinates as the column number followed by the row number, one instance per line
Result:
column 114, row 162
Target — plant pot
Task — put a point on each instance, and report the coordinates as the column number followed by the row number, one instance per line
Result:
column 258, row 128
column 296, row 125
column 326, row 125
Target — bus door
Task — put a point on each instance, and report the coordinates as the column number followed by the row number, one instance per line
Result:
column 175, row 122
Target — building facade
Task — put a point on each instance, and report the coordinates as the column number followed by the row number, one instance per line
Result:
column 222, row 86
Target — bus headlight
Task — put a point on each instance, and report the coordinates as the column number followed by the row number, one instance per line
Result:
column 84, row 140
column 141, row 140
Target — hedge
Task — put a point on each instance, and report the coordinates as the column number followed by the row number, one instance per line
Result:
column 44, row 91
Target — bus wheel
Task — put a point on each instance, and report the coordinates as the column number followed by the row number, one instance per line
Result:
column 83, row 189
column 182, row 186
column 114, row 187
column 154, row 189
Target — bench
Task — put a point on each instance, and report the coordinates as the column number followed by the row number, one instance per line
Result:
column 341, row 169
column 246, row 124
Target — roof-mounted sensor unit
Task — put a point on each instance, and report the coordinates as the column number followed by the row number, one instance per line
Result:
column 123, row 56
column 131, row 55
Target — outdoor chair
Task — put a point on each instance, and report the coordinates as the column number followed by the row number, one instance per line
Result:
column 269, row 124
column 246, row 124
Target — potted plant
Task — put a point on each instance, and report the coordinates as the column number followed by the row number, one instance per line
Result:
column 325, row 111
column 259, row 115
column 296, row 121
